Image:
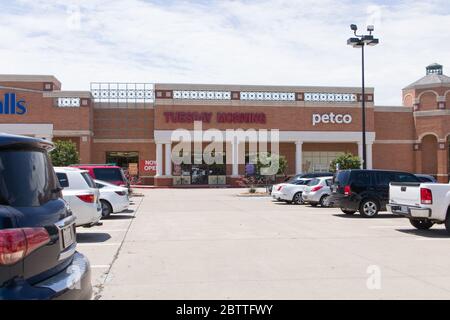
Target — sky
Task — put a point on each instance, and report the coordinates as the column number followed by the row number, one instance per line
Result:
column 275, row 42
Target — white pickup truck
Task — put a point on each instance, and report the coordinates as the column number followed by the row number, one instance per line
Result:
column 424, row 204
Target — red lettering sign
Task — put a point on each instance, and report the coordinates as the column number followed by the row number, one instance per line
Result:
column 147, row 167
column 221, row 117
column 241, row 117
column 187, row 117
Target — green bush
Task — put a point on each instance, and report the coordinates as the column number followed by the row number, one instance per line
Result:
column 64, row 154
column 346, row 161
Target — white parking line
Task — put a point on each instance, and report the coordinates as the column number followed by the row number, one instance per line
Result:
column 98, row 244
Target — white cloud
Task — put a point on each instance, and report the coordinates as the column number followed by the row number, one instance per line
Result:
column 250, row 42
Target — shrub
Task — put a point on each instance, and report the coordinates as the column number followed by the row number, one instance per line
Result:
column 64, row 154
column 345, row 161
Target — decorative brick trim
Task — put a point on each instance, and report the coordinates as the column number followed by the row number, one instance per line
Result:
column 368, row 97
column 47, row 86
column 235, row 95
column 299, row 96
column 164, row 94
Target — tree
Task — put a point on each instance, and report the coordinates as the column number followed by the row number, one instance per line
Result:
column 345, row 161
column 64, row 154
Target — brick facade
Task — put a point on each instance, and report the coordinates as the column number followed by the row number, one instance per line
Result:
column 413, row 137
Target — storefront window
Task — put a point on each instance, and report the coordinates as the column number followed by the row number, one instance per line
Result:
column 128, row 161
column 318, row 161
column 200, row 173
column 122, row 159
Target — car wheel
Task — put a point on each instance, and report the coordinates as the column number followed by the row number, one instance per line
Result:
column 106, row 208
column 421, row 224
column 323, row 201
column 369, row 208
column 297, row 199
column 348, row 211
column 447, row 221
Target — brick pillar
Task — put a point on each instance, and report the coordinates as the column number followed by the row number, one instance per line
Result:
column 442, row 162
column 85, row 149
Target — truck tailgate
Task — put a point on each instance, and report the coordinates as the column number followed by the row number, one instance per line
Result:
column 404, row 193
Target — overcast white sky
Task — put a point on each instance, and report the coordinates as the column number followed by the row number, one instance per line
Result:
column 279, row 42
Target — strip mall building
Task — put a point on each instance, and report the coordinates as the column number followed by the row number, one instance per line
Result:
column 131, row 124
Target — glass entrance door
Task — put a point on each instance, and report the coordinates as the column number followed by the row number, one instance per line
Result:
column 199, row 174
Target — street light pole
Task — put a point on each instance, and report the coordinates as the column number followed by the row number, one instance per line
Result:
column 360, row 41
column 363, row 112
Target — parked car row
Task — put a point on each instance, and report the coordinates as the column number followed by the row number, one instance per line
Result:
column 291, row 191
column 40, row 208
column 90, row 199
column 415, row 196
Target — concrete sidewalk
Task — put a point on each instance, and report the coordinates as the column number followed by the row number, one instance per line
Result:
column 211, row 244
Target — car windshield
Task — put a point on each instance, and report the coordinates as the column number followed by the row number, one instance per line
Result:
column 108, row 174
column 294, row 179
column 314, row 182
column 27, row 178
column 341, row 178
column 88, row 180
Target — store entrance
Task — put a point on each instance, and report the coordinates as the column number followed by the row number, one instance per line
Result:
column 200, row 174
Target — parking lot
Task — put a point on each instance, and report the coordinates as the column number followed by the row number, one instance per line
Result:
column 212, row 244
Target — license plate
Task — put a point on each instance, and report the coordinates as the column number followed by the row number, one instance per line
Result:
column 68, row 236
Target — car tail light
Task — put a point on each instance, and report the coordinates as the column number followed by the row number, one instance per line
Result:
column 316, row 188
column 347, row 190
column 279, row 188
column 120, row 193
column 16, row 244
column 426, row 196
column 89, row 198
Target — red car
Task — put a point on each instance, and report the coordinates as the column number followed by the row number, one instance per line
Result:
column 111, row 174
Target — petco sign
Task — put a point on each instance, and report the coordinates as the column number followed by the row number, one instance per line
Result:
column 331, row 118
column 10, row 105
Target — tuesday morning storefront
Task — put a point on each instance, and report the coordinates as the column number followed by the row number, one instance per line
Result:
column 139, row 126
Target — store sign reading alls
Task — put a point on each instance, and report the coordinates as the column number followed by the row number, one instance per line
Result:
column 10, row 105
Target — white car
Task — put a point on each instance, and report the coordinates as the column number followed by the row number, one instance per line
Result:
column 113, row 198
column 81, row 194
column 317, row 191
column 276, row 191
column 292, row 192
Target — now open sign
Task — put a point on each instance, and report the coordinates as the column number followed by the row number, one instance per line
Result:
column 147, row 167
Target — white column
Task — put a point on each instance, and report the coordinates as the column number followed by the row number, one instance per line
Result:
column 159, row 159
column 369, row 156
column 235, row 157
column 298, row 157
column 360, row 153
column 168, row 159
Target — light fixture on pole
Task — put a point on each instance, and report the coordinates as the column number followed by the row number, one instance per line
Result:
column 360, row 41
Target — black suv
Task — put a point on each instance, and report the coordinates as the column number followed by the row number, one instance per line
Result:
column 38, row 257
column 366, row 191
